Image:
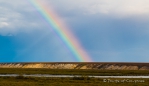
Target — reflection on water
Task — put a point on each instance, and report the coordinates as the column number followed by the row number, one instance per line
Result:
column 47, row 75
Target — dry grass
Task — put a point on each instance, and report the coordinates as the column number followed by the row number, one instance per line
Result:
column 75, row 81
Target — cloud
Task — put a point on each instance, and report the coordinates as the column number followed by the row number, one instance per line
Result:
column 121, row 8
column 4, row 24
column 18, row 16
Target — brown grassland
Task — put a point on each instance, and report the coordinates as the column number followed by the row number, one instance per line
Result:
column 74, row 81
column 84, row 80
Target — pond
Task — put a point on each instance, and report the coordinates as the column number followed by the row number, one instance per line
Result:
column 48, row 75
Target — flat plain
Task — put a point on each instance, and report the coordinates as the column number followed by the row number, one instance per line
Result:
column 95, row 69
column 84, row 80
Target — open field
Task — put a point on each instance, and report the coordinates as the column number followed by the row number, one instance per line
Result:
column 73, row 71
column 71, row 81
column 74, row 81
column 84, row 80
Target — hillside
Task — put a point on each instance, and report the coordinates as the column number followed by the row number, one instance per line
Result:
column 79, row 65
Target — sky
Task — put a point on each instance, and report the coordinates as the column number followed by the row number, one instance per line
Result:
column 108, row 30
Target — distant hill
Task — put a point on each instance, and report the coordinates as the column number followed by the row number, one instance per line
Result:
column 80, row 65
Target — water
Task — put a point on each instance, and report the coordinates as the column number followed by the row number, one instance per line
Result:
column 48, row 75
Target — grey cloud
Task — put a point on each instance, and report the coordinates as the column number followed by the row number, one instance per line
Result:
column 118, row 8
column 17, row 15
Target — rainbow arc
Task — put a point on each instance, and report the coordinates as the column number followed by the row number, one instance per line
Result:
column 62, row 31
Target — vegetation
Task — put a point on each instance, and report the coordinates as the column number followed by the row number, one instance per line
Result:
column 73, row 72
column 74, row 81
column 84, row 80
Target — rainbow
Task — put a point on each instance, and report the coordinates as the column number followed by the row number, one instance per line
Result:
column 62, row 31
